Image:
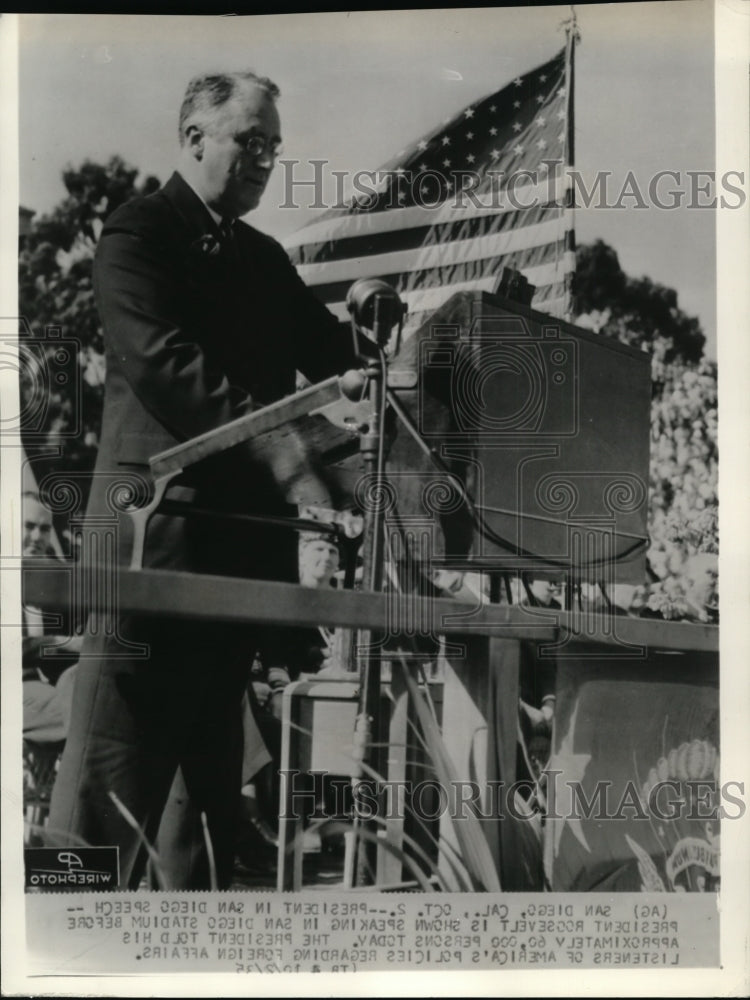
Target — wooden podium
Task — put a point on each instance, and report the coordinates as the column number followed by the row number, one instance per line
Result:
column 521, row 441
column 547, row 425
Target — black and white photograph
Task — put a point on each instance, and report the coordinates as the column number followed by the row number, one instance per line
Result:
column 365, row 606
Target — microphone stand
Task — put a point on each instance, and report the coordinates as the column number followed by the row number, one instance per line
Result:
column 372, row 448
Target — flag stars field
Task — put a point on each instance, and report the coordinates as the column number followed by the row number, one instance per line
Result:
column 426, row 238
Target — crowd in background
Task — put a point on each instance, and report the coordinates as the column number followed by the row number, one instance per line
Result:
column 683, row 511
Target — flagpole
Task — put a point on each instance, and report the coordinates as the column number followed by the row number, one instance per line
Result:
column 572, row 36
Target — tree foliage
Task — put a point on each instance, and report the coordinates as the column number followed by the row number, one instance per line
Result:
column 636, row 311
column 683, row 501
column 56, row 291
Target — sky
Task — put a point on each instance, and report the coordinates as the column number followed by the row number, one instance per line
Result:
column 358, row 86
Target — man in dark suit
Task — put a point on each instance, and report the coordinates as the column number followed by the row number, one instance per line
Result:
column 49, row 652
column 204, row 319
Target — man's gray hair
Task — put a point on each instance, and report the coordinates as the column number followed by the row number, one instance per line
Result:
column 206, row 93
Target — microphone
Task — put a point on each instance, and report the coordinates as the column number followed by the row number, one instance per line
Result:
column 375, row 306
column 352, row 385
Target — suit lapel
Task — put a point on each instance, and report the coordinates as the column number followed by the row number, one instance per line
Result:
column 189, row 207
column 202, row 234
column 198, row 222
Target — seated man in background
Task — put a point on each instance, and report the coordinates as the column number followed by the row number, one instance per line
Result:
column 49, row 653
column 542, row 589
column 308, row 650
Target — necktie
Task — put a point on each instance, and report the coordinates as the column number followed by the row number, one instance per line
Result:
column 228, row 239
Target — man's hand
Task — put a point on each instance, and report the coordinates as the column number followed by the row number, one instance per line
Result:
column 540, row 718
column 262, row 692
column 275, row 703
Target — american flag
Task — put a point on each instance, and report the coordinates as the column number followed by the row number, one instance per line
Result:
column 483, row 191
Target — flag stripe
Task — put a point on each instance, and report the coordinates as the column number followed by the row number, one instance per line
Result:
column 475, row 248
column 542, row 265
column 444, row 234
column 339, row 227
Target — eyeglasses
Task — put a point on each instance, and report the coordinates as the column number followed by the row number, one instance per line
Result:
column 30, row 526
column 255, row 145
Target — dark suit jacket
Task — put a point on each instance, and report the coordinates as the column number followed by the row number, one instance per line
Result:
column 196, row 334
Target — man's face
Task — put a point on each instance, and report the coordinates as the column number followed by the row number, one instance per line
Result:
column 318, row 562
column 232, row 178
column 544, row 588
column 37, row 528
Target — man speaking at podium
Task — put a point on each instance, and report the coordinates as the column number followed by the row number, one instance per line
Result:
column 204, row 319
